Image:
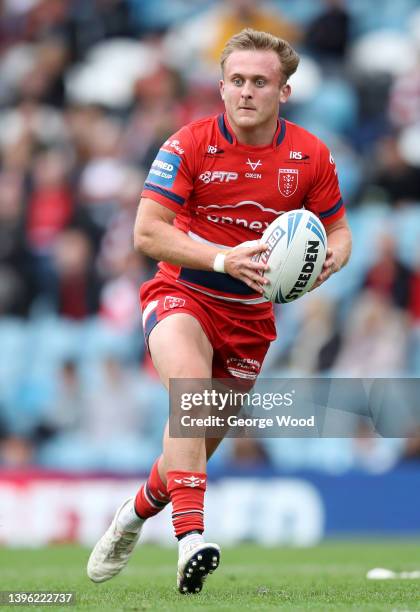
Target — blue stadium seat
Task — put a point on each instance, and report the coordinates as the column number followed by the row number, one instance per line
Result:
column 13, row 342
column 406, row 225
column 301, row 12
column 100, row 340
column 76, row 452
column 150, row 15
column 414, row 352
column 52, row 340
column 391, row 14
column 335, row 106
column 13, row 357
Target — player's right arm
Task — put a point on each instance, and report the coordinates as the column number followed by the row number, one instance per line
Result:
column 156, row 236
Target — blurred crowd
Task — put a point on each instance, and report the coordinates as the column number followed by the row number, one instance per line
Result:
column 89, row 89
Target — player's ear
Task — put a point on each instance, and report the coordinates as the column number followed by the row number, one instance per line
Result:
column 222, row 89
column 285, row 92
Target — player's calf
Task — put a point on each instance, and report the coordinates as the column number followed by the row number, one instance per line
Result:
column 197, row 559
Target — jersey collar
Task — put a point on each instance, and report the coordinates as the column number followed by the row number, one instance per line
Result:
column 228, row 134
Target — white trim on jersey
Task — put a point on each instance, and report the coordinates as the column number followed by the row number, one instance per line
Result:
column 198, row 238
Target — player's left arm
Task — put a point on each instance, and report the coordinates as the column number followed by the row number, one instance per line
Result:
column 324, row 199
column 338, row 251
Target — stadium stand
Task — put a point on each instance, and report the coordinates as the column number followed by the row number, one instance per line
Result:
column 86, row 96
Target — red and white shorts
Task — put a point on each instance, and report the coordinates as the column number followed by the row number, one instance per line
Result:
column 239, row 344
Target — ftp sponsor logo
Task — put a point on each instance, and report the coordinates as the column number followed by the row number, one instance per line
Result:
column 218, row 176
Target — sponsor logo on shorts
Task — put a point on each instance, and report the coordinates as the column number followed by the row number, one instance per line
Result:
column 243, row 367
column 173, row 302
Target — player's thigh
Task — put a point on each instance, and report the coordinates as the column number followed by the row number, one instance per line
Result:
column 180, row 348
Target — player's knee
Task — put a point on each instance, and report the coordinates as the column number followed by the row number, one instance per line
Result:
column 180, row 349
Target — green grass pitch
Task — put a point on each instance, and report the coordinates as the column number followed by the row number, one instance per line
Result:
column 328, row 577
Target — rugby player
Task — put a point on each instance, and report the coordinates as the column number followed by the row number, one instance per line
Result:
column 215, row 184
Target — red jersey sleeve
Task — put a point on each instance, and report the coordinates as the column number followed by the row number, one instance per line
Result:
column 170, row 178
column 324, row 197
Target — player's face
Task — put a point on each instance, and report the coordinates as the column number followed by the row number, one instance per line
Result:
column 252, row 89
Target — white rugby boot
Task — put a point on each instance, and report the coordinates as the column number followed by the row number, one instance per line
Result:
column 197, row 559
column 113, row 551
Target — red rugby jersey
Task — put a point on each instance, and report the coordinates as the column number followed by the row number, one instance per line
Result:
column 225, row 193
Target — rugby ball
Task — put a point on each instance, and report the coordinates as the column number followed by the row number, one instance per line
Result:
column 297, row 249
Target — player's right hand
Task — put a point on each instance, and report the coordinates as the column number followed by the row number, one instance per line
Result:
column 239, row 263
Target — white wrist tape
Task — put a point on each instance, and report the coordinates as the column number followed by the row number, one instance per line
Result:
column 219, row 262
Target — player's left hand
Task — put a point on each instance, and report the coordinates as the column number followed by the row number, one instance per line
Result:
column 330, row 267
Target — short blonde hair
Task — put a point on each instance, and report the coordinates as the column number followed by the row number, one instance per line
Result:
column 249, row 39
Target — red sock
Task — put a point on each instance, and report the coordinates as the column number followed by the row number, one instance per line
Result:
column 153, row 495
column 186, row 490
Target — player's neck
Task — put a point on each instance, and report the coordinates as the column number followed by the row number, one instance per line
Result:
column 255, row 137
